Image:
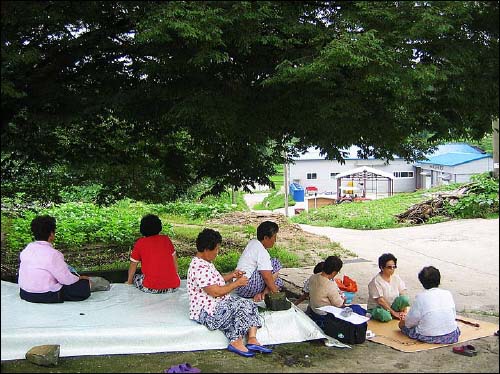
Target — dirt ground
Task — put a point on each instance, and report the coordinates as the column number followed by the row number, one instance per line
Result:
column 310, row 248
column 306, row 357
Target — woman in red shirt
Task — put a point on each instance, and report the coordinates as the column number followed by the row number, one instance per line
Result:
column 158, row 259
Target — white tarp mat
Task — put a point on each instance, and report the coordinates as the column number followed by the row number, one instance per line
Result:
column 126, row 320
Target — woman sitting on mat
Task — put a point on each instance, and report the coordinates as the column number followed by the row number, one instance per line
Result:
column 159, row 260
column 305, row 290
column 262, row 270
column 44, row 276
column 431, row 318
column 211, row 304
column 323, row 292
column 387, row 297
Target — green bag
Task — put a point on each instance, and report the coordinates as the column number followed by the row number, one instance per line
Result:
column 277, row 301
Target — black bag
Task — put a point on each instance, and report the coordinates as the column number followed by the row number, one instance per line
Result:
column 344, row 331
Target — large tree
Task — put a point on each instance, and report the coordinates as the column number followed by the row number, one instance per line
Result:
column 137, row 94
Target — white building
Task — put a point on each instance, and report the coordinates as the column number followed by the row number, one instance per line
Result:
column 454, row 162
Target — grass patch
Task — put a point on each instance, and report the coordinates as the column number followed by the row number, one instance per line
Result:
column 481, row 313
column 278, row 178
column 372, row 215
column 274, row 200
column 287, row 259
column 375, row 214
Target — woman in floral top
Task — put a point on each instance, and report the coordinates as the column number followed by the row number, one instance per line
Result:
column 211, row 304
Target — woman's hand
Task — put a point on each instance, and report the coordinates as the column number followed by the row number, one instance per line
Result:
column 398, row 315
column 241, row 281
column 238, row 274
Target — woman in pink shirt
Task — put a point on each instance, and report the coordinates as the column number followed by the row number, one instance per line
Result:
column 44, row 276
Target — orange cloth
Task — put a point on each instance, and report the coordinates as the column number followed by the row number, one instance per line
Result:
column 347, row 284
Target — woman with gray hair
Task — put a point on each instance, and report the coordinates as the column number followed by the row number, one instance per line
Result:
column 262, row 270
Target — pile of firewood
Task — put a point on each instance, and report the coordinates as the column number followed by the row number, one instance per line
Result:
column 421, row 212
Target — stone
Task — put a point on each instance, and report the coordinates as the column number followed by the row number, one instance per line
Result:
column 44, row 355
column 99, row 284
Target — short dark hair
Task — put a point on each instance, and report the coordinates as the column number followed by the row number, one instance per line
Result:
column 42, row 227
column 332, row 263
column 319, row 267
column 150, row 225
column 430, row 277
column 208, row 239
column 267, row 228
column 385, row 258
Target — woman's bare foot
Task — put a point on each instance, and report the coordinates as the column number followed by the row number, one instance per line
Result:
column 253, row 340
column 238, row 344
column 258, row 297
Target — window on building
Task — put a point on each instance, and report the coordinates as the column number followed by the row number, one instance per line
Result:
column 312, row 176
column 403, row 174
column 333, row 175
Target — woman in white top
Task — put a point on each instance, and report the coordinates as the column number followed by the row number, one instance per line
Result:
column 262, row 270
column 387, row 297
column 431, row 318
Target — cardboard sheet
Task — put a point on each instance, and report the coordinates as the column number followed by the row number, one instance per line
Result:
column 126, row 320
column 388, row 333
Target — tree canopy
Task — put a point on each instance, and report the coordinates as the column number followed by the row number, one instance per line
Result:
column 138, row 95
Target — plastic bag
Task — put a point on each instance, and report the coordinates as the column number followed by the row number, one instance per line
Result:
column 347, row 284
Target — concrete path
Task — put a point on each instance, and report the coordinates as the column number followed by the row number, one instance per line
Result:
column 466, row 252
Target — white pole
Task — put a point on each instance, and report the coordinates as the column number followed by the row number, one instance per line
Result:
column 495, row 147
column 285, row 171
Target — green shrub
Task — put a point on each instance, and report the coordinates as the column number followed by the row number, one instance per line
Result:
column 79, row 224
column 287, row 259
column 224, row 263
column 87, row 193
column 480, row 201
column 183, row 266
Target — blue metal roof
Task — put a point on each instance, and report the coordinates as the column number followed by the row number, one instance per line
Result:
column 453, row 159
column 455, row 148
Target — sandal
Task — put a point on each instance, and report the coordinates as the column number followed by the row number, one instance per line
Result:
column 182, row 368
column 465, row 350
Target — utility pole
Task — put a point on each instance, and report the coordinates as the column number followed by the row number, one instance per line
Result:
column 285, row 181
column 233, row 196
column 495, row 147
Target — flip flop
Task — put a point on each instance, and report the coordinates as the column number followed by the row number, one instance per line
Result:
column 173, row 369
column 182, row 368
column 471, row 348
column 259, row 348
column 230, row 348
column 187, row 368
column 464, row 351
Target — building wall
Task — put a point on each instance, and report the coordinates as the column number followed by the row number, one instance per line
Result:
column 462, row 173
column 326, row 183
